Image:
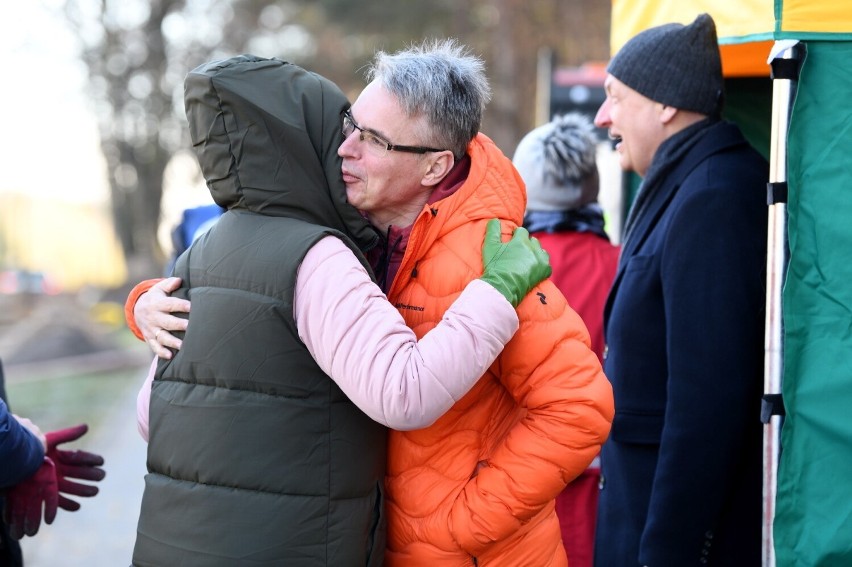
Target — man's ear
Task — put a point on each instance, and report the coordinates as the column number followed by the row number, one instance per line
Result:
column 438, row 165
column 667, row 114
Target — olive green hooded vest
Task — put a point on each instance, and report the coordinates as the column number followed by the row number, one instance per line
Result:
column 256, row 457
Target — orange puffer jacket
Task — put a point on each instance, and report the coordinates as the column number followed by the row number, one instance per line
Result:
column 478, row 486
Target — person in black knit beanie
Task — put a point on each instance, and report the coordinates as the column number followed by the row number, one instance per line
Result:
column 681, row 471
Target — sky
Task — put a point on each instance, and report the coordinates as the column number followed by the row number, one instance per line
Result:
column 49, row 142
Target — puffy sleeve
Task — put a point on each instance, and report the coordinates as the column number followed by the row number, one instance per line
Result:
column 359, row 339
column 143, row 401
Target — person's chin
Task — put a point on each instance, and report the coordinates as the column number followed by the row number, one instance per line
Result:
column 352, row 197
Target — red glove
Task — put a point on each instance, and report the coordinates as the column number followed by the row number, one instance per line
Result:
column 73, row 464
column 24, row 501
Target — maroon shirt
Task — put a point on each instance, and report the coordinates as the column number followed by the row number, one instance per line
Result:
column 397, row 238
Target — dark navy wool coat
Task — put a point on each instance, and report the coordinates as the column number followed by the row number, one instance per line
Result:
column 684, row 328
column 21, row 454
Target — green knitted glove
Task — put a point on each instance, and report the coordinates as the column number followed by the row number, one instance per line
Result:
column 514, row 267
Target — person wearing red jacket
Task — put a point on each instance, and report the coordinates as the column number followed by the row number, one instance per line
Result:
column 557, row 162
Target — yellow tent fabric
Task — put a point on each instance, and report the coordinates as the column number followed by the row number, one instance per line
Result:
column 815, row 19
column 746, row 28
column 737, row 21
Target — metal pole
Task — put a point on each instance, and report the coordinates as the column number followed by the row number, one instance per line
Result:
column 544, row 85
column 782, row 96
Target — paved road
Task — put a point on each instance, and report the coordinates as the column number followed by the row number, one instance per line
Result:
column 102, row 532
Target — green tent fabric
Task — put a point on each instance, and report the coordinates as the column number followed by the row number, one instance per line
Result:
column 748, row 104
column 813, row 520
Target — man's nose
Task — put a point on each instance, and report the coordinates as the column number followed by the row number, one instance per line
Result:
column 347, row 146
column 602, row 117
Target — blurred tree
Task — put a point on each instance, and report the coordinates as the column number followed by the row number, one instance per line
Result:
column 138, row 51
column 507, row 34
column 132, row 87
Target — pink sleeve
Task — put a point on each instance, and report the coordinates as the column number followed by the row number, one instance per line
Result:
column 359, row 339
column 143, row 401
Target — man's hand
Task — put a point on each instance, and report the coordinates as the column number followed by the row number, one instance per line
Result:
column 513, row 267
column 153, row 315
column 24, row 501
column 73, row 464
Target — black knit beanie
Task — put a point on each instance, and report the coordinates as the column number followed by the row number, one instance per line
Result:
column 674, row 64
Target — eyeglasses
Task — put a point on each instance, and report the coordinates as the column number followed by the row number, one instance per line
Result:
column 375, row 143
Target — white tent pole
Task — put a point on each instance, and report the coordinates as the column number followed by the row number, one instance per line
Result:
column 782, row 96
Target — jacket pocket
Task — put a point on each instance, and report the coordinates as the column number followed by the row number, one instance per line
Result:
column 639, row 263
column 635, row 427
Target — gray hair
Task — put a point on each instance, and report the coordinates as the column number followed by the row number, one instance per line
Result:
column 441, row 81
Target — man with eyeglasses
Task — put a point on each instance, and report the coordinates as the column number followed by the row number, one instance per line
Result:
column 478, row 486
column 480, row 483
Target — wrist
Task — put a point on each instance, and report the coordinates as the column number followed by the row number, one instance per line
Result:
column 129, row 306
column 500, row 285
